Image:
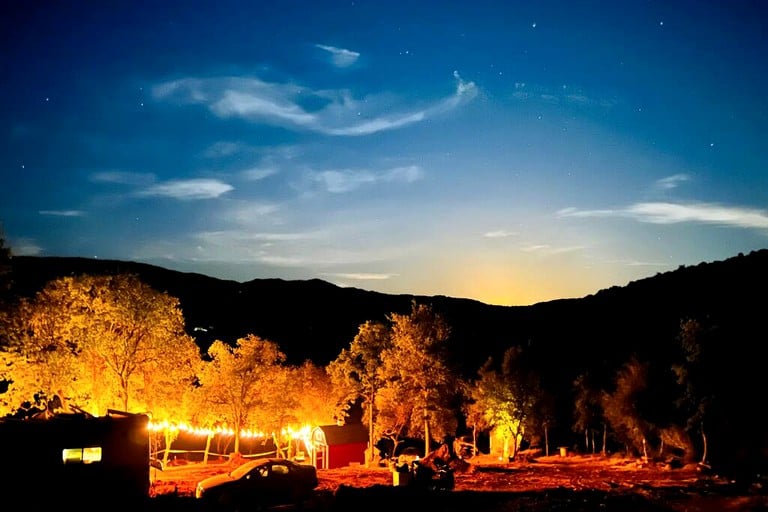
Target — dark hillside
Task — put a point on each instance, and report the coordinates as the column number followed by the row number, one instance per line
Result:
column 315, row 319
column 308, row 319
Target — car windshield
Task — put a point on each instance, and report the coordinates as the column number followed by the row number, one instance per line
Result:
column 241, row 471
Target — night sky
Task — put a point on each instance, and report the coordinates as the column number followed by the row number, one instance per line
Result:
column 510, row 152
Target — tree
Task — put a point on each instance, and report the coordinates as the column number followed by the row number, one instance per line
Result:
column 91, row 339
column 508, row 396
column 473, row 409
column 139, row 337
column 620, row 406
column 355, row 372
column 588, row 414
column 314, row 401
column 416, row 371
column 313, row 385
column 698, row 387
column 41, row 357
column 242, row 379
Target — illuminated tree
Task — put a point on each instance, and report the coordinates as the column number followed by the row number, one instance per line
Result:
column 41, row 358
column 395, row 414
column 415, row 368
column 355, row 372
column 136, row 336
column 242, row 380
column 509, row 395
column 620, row 406
column 313, row 387
column 104, row 342
column 474, row 410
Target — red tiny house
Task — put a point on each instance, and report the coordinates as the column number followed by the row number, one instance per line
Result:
column 337, row 446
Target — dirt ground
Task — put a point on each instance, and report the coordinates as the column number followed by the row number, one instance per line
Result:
column 587, row 483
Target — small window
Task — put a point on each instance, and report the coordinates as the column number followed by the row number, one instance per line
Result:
column 81, row 455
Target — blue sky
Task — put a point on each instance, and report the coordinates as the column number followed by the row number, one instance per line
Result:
column 510, row 152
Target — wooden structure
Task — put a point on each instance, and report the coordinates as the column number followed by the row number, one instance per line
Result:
column 76, row 461
column 336, row 446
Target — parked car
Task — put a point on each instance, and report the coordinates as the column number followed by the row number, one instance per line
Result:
column 258, row 483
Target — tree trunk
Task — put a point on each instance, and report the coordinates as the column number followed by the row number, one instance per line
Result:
column 278, row 449
column 168, row 441
column 207, row 447
column 426, row 435
column 474, row 440
column 515, row 445
column 703, row 445
column 605, row 439
column 546, row 440
column 370, row 428
column 586, row 439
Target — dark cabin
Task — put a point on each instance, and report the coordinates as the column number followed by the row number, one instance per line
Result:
column 336, row 446
column 76, row 460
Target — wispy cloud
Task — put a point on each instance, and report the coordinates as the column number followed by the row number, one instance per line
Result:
column 340, row 181
column 674, row 213
column 500, row 233
column 360, row 276
column 258, row 173
column 62, row 213
column 340, row 57
column 562, row 95
column 123, row 178
column 336, row 112
column 224, row 148
column 252, row 213
column 550, row 250
column 230, row 236
column 671, row 182
column 188, row 189
column 26, row 247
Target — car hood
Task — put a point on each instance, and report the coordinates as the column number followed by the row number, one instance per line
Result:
column 213, row 481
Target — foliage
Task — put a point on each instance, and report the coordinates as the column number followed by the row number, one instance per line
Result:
column 355, row 373
column 698, row 388
column 473, row 409
column 101, row 342
column 243, row 381
column 508, row 397
column 620, row 406
column 314, row 390
column 587, row 409
column 419, row 381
